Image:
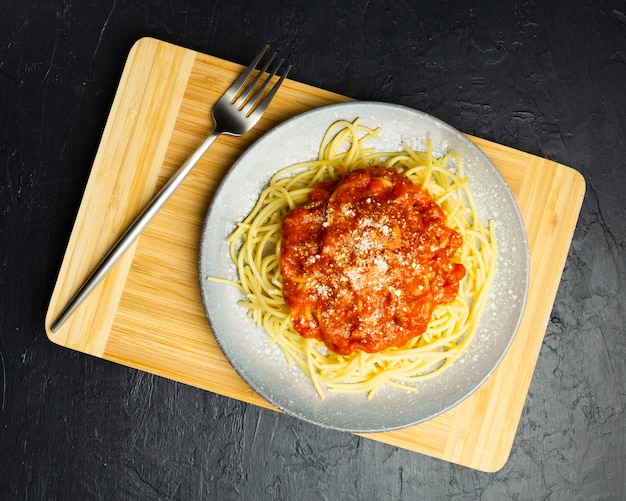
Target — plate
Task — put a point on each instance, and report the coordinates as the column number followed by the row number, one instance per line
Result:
column 263, row 367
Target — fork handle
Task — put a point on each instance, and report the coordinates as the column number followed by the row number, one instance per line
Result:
column 133, row 231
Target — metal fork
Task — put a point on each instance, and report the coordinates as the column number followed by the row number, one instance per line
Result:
column 236, row 112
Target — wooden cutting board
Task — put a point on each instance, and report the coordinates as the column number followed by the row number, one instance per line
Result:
column 148, row 314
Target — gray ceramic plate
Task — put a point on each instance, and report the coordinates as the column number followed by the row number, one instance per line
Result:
column 264, row 368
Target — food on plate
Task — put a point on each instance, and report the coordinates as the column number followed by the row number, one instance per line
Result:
column 366, row 260
column 386, row 265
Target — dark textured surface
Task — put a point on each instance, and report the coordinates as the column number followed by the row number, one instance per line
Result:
column 547, row 79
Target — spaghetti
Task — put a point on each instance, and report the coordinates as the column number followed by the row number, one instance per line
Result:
column 255, row 248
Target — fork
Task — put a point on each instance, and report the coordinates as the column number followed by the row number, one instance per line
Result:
column 235, row 113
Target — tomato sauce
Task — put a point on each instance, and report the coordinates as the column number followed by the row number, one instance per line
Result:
column 366, row 260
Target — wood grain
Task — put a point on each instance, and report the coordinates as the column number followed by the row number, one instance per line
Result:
column 148, row 313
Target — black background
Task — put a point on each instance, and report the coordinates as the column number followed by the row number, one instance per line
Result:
column 548, row 78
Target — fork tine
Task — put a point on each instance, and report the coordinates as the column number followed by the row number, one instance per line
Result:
column 258, row 103
column 252, row 95
column 233, row 91
column 244, row 96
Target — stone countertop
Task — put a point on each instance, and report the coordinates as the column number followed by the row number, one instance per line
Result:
column 545, row 79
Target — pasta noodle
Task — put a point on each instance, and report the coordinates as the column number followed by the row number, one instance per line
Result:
column 255, row 250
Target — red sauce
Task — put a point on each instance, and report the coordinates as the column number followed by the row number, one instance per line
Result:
column 366, row 261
